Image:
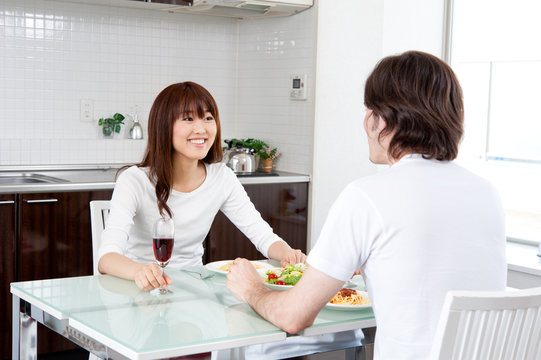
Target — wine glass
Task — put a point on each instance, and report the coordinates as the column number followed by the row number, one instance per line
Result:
column 163, row 238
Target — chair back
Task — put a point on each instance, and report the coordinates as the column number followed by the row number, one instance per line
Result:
column 489, row 325
column 99, row 211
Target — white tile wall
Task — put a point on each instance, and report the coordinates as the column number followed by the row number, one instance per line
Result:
column 54, row 53
column 270, row 50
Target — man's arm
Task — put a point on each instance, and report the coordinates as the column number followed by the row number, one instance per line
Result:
column 292, row 310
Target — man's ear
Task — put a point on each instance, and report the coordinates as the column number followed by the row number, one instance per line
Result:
column 381, row 124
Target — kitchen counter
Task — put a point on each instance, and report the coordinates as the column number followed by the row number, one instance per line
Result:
column 523, row 266
column 102, row 177
column 523, row 258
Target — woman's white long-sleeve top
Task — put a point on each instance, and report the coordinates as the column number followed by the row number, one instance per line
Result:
column 134, row 209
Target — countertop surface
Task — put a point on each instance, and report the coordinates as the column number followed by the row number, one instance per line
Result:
column 102, row 177
column 523, row 258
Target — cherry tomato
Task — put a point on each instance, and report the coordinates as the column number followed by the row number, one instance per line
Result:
column 272, row 276
column 280, row 282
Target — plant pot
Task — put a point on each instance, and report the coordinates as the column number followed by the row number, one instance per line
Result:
column 267, row 165
column 108, row 131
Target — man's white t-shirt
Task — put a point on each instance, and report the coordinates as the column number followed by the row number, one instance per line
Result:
column 416, row 230
column 134, row 208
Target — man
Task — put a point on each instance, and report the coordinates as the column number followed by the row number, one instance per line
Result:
column 417, row 230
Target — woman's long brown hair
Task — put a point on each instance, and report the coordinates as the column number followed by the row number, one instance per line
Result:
column 172, row 103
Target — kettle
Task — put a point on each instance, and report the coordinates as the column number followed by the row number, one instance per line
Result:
column 240, row 159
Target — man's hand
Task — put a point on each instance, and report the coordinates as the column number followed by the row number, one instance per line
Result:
column 149, row 277
column 243, row 280
column 293, row 256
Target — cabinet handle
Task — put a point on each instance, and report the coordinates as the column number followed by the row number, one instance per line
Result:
column 41, row 201
column 7, row 202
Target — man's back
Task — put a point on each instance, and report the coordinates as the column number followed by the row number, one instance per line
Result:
column 421, row 228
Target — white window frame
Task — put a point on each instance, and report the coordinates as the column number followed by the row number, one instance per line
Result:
column 523, row 222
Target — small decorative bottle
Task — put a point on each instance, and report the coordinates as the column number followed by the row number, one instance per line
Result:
column 136, row 132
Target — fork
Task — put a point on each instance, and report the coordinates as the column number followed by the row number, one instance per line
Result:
column 201, row 271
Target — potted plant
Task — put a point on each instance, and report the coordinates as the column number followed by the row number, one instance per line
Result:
column 268, row 155
column 110, row 126
column 255, row 144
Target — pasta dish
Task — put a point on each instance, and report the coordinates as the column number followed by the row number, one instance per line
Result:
column 349, row 297
column 225, row 267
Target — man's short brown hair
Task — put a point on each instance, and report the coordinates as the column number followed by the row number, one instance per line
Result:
column 419, row 97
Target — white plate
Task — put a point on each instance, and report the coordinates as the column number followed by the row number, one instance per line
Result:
column 277, row 287
column 216, row 265
column 349, row 307
column 263, row 273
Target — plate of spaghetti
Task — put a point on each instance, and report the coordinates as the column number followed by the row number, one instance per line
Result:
column 349, row 299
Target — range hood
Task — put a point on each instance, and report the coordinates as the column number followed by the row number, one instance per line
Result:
column 236, row 8
column 241, row 9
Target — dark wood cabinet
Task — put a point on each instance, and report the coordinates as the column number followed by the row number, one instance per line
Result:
column 8, row 209
column 52, row 240
column 283, row 206
column 48, row 235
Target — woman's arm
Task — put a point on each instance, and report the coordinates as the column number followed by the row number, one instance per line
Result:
column 114, row 239
column 242, row 212
column 146, row 277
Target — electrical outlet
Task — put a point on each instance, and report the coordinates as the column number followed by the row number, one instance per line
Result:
column 87, row 110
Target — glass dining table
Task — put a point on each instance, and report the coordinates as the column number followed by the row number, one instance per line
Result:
column 114, row 319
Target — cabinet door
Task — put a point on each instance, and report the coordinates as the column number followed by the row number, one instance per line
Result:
column 283, row 206
column 55, row 241
column 7, row 268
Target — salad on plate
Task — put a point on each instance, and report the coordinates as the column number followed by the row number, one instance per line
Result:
column 287, row 275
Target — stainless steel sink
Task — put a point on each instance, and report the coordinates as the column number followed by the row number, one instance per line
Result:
column 27, row 178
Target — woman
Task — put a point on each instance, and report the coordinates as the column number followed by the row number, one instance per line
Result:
column 181, row 177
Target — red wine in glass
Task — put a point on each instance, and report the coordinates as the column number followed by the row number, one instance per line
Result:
column 163, row 248
column 163, row 235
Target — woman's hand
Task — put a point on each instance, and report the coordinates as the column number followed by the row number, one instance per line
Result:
column 149, row 277
column 282, row 252
column 293, row 256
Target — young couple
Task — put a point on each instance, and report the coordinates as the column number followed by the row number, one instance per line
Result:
column 417, row 230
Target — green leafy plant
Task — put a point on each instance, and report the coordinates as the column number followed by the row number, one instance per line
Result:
column 255, row 144
column 110, row 125
column 269, row 153
column 249, row 143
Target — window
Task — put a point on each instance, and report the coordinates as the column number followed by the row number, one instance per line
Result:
column 494, row 48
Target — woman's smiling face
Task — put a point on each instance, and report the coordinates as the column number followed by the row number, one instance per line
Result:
column 193, row 136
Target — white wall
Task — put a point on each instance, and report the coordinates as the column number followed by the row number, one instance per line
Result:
column 413, row 25
column 55, row 53
column 270, row 50
column 352, row 37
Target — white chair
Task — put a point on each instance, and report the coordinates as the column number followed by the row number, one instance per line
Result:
column 99, row 211
column 489, row 325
